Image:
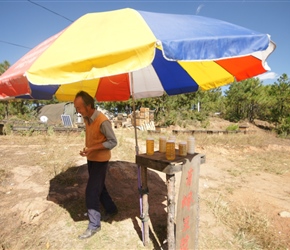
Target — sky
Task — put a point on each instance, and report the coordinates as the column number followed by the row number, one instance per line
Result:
column 26, row 23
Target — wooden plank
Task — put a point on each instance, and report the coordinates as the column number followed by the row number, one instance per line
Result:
column 187, row 217
column 190, row 132
column 158, row 161
column 170, row 181
column 67, row 129
column 1, row 128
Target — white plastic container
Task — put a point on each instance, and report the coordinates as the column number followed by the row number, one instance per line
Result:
column 190, row 145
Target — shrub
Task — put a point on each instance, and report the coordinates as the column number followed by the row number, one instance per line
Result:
column 233, row 127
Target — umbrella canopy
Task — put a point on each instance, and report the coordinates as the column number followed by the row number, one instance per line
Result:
column 118, row 54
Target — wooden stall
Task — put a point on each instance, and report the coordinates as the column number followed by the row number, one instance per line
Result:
column 186, row 219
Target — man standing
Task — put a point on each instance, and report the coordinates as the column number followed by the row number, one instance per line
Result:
column 100, row 139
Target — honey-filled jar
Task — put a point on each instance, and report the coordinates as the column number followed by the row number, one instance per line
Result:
column 149, row 146
column 182, row 148
column 162, row 144
column 170, row 150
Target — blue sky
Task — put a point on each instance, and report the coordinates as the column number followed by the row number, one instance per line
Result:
column 27, row 24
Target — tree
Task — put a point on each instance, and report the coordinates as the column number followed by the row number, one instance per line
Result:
column 179, row 109
column 244, row 99
column 4, row 107
column 280, row 93
column 4, row 66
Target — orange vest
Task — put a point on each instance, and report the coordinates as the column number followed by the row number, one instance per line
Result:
column 94, row 136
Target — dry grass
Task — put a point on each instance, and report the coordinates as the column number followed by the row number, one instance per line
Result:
column 225, row 221
column 251, row 228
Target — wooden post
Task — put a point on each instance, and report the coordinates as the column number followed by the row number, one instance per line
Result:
column 145, row 212
column 170, row 180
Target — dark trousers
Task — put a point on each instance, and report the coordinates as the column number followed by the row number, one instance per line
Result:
column 96, row 192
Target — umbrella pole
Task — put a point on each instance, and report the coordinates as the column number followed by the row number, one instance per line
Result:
column 134, row 115
column 135, row 129
column 139, row 168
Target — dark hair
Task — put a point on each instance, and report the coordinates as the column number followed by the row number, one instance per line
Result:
column 87, row 99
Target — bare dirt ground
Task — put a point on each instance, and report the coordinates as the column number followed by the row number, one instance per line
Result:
column 244, row 191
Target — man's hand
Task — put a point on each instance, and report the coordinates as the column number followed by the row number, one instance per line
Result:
column 84, row 152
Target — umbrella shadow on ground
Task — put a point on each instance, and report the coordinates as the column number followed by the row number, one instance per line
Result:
column 67, row 189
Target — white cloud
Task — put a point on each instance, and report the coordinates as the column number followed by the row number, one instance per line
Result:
column 198, row 9
column 268, row 76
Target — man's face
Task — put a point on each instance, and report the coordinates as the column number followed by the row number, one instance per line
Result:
column 81, row 107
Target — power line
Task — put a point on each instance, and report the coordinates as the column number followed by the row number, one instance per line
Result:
column 14, row 44
column 50, row 10
column 22, row 46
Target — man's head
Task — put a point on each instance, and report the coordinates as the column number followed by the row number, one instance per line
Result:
column 84, row 104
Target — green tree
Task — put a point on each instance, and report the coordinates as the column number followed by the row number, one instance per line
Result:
column 244, row 100
column 4, row 66
column 181, row 109
column 4, row 106
column 263, row 110
column 281, row 92
column 280, row 109
column 211, row 101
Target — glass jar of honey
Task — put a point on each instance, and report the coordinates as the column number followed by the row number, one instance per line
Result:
column 182, row 148
column 149, row 146
column 170, row 150
column 162, row 144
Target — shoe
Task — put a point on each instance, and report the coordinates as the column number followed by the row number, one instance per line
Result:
column 109, row 216
column 89, row 233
